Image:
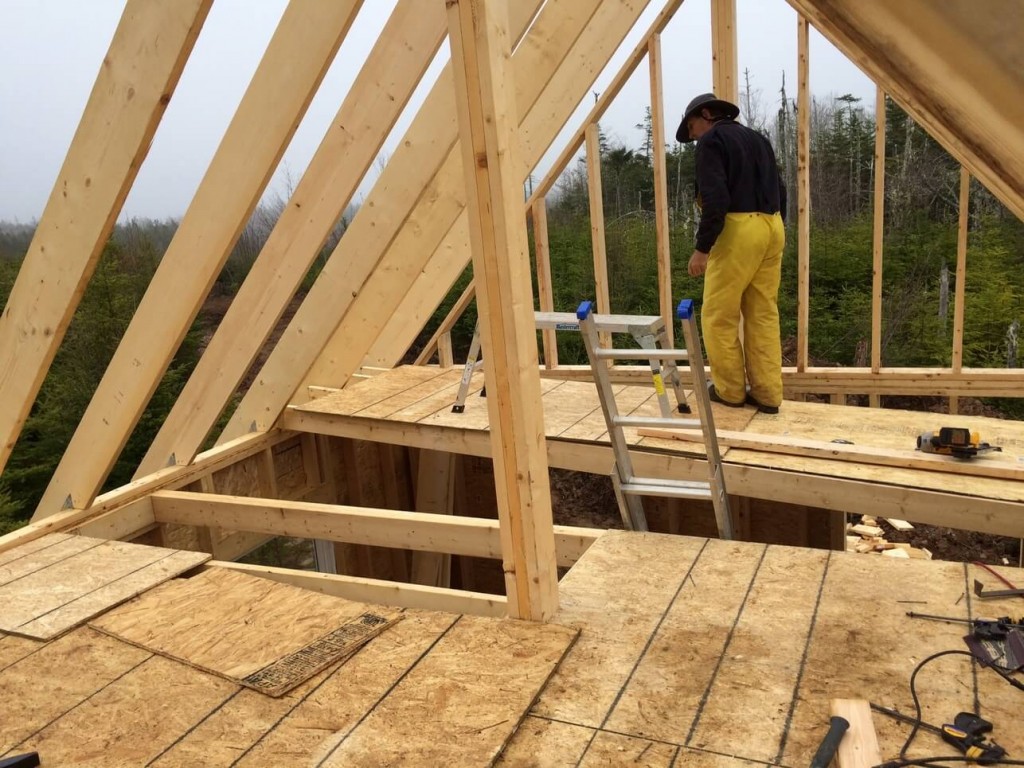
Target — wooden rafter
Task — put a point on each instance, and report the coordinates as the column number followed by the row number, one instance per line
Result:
column 377, row 97
column 971, row 108
column 286, row 80
column 139, row 75
column 538, row 127
column 380, row 273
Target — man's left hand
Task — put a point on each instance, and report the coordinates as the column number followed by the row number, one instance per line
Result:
column 698, row 264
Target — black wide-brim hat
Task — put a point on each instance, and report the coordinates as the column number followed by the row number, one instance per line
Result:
column 709, row 101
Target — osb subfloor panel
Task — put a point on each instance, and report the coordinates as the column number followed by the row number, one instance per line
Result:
column 56, row 582
column 424, row 395
column 434, row 689
column 711, row 653
column 255, row 632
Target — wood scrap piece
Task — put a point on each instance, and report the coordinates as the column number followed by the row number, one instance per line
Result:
column 261, row 634
column 870, row 531
column 899, row 525
column 859, row 747
column 897, row 553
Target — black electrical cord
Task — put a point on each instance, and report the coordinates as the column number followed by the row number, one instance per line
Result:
column 931, row 761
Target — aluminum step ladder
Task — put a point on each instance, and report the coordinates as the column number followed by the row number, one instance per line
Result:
column 647, row 330
column 628, row 487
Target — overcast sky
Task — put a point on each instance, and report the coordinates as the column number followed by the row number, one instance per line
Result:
column 53, row 48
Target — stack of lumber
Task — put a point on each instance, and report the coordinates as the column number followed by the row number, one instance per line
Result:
column 867, row 537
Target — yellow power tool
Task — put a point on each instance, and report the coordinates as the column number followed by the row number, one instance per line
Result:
column 959, row 442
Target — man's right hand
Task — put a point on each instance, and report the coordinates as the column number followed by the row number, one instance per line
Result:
column 698, row 264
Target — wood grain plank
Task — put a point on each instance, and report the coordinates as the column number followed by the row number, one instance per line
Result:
column 445, row 711
column 258, row 633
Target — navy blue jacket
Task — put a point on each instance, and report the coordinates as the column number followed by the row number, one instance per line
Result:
column 736, row 173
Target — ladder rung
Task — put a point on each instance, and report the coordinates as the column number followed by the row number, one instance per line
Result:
column 648, row 488
column 567, row 321
column 641, row 354
column 656, row 421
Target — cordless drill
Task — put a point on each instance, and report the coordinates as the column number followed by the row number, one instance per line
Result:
column 967, row 734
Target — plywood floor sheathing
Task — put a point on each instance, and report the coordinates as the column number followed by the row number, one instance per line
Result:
column 255, row 632
column 690, row 652
column 58, row 581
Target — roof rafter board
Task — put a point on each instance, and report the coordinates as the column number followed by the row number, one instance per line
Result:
column 437, row 341
column 416, row 531
column 387, row 292
column 322, row 312
column 379, row 591
column 971, row 106
column 424, row 297
column 404, row 179
column 556, row 33
column 297, row 57
column 380, row 92
column 419, row 304
column 972, row 513
column 488, row 120
column 133, row 88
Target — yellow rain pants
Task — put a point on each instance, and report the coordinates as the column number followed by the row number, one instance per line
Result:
column 742, row 277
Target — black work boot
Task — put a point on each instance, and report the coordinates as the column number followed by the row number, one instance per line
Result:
column 760, row 407
column 716, row 398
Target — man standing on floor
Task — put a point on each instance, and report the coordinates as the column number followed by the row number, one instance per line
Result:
column 739, row 251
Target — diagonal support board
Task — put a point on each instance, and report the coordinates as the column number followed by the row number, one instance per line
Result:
column 406, row 179
column 583, row 53
column 379, row 94
column 288, row 76
column 133, row 88
column 424, row 294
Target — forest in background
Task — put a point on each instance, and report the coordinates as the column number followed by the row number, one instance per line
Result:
column 922, row 189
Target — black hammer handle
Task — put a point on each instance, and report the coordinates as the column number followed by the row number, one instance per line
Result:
column 827, row 750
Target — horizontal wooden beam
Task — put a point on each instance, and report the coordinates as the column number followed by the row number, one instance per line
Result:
column 822, row 449
column 968, row 382
column 379, row 592
column 419, row 531
column 970, row 513
column 120, row 523
column 170, row 477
